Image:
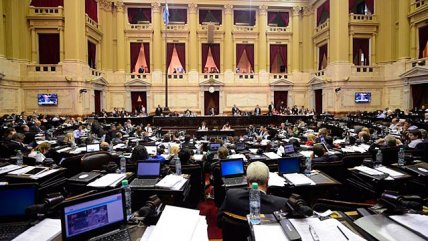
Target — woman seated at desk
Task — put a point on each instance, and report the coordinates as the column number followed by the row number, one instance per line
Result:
column 203, row 126
column 226, row 127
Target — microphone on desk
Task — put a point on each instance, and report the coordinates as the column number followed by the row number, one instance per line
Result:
column 298, row 206
column 150, row 208
column 396, row 201
column 39, row 210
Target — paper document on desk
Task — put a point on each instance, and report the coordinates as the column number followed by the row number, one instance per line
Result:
column 9, row 168
column 268, row 232
column 22, row 170
column 46, row 230
column 118, row 146
column 147, row 233
column 369, row 170
column 234, row 156
column 306, row 153
column 43, row 174
column 63, row 149
column 78, row 150
column 107, row 180
column 389, row 171
column 170, row 181
column 275, row 180
column 271, row 155
column 180, row 224
column 298, row 179
column 329, row 229
column 416, row 222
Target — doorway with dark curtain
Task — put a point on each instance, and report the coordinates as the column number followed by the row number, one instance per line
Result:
column 318, row 101
column 138, row 99
column 211, row 100
column 420, row 95
column 279, row 96
column 97, row 100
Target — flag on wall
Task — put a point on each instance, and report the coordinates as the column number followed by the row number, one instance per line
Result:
column 166, row 15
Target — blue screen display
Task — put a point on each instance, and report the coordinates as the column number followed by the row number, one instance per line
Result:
column 232, row 167
column 14, row 201
column 148, row 168
column 288, row 165
column 363, row 97
column 47, row 99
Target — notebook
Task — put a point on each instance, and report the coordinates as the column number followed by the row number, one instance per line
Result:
column 151, row 150
column 148, row 173
column 232, row 172
column 289, row 151
column 94, row 216
column 288, row 165
column 92, row 147
column 15, row 199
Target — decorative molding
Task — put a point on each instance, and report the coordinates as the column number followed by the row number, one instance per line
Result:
column 137, row 83
column 193, row 7
column 156, row 7
column 228, row 9
column 282, row 83
column 105, row 4
column 417, row 75
column 99, row 81
column 263, row 10
column 308, row 10
column 211, row 82
column 297, row 10
column 119, row 6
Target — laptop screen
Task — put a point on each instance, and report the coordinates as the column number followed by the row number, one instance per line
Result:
column 92, row 147
column 90, row 215
column 240, row 146
column 214, row 146
column 148, row 169
column 232, row 167
column 289, row 148
column 151, row 150
column 288, row 165
column 15, row 198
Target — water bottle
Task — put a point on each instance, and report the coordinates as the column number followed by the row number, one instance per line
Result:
column 127, row 193
column 379, row 158
column 122, row 164
column 177, row 162
column 110, row 146
column 19, row 158
column 255, row 204
column 308, row 165
column 401, row 155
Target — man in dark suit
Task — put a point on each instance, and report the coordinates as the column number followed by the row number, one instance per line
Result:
column 237, row 200
column 270, row 108
column 158, row 111
column 235, row 110
column 257, row 110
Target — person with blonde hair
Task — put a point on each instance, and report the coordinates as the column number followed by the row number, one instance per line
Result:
column 69, row 139
column 39, row 151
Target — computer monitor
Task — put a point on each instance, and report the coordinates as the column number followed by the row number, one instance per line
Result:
column 92, row 147
column 232, row 167
column 92, row 215
column 214, row 146
column 148, row 169
column 288, row 148
column 288, row 165
column 15, row 199
column 47, row 99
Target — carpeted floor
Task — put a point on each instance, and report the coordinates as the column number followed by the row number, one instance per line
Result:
column 208, row 209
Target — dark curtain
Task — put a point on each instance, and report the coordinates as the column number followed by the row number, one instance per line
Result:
column 48, row 48
column 207, row 15
column 358, row 6
column 370, row 5
column 47, row 3
column 239, row 51
column 323, row 12
column 97, row 100
column 322, row 52
column 91, row 9
column 137, row 99
column 92, row 51
column 178, row 15
column 205, row 49
column 419, row 95
column 169, row 52
column 181, row 52
column 244, row 16
column 147, row 55
column 274, row 49
column 135, row 50
column 249, row 49
column 423, row 41
column 318, row 101
column 281, row 19
column 279, row 96
column 215, row 51
column 211, row 100
column 283, row 55
column 363, row 45
column 139, row 14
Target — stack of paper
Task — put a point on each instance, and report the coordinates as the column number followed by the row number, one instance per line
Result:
column 298, row 179
column 178, row 224
column 171, row 181
column 271, row 155
column 9, row 168
column 64, row 149
column 111, row 179
column 275, row 180
column 389, row 171
column 368, row 170
column 46, row 230
column 415, row 222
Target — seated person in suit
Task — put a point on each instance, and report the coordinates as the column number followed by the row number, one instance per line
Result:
column 319, row 155
column 17, row 144
column 415, row 137
column 187, row 144
column 203, row 126
column 236, row 200
column 139, row 154
column 104, row 146
column 226, row 127
column 185, row 156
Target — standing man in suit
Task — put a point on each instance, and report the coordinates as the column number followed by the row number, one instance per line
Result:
column 270, row 108
column 158, row 111
column 236, row 200
column 235, row 110
column 257, row 110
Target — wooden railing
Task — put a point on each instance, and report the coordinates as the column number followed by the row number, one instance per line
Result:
column 244, row 76
column 278, row 29
column 91, row 22
column 323, row 26
column 320, row 73
column 139, row 76
column 95, row 73
column 423, row 62
column 139, row 26
column 238, row 28
column 358, row 18
column 177, row 76
column 46, row 11
column 278, row 76
column 177, row 27
column 366, row 71
column 44, row 68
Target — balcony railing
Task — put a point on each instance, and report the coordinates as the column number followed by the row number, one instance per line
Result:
column 177, row 76
column 238, row 28
column 320, row 73
column 423, row 62
column 244, row 76
column 139, row 26
column 362, row 18
column 44, row 68
column 323, row 26
column 278, row 76
column 204, row 27
column 366, row 71
column 418, row 4
column 177, row 27
column 140, row 76
column 91, row 22
column 278, row 29
column 214, row 76
column 46, row 11
column 95, row 73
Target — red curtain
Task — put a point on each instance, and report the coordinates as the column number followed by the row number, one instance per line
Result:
column 418, row 94
column 423, row 41
column 274, row 49
column 97, row 100
column 354, row 3
column 279, row 96
column 244, row 16
column 181, row 52
column 47, row 3
column 138, row 99
column 147, row 55
column 49, row 48
column 239, row 51
column 370, row 5
column 135, row 51
column 322, row 52
column 178, row 15
column 215, row 52
column 318, row 101
column 362, row 44
column 249, row 49
column 272, row 17
column 279, row 18
column 139, row 14
column 91, row 9
column 323, row 12
column 169, row 52
column 283, row 55
column 210, row 15
column 205, row 49
column 92, row 51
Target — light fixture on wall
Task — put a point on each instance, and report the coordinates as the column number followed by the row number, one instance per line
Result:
column 81, row 91
column 2, row 75
column 337, row 90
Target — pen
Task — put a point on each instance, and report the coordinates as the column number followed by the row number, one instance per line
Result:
column 313, row 233
column 342, row 232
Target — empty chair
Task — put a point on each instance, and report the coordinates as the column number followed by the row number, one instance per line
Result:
column 235, row 227
column 95, row 161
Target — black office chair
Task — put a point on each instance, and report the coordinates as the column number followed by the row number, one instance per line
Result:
column 72, row 165
column 195, row 172
column 95, row 161
column 335, row 169
column 235, row 227
column 423, row 150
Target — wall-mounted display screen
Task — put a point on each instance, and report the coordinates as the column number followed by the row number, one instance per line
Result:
column 363, row 97
column 47, row 99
